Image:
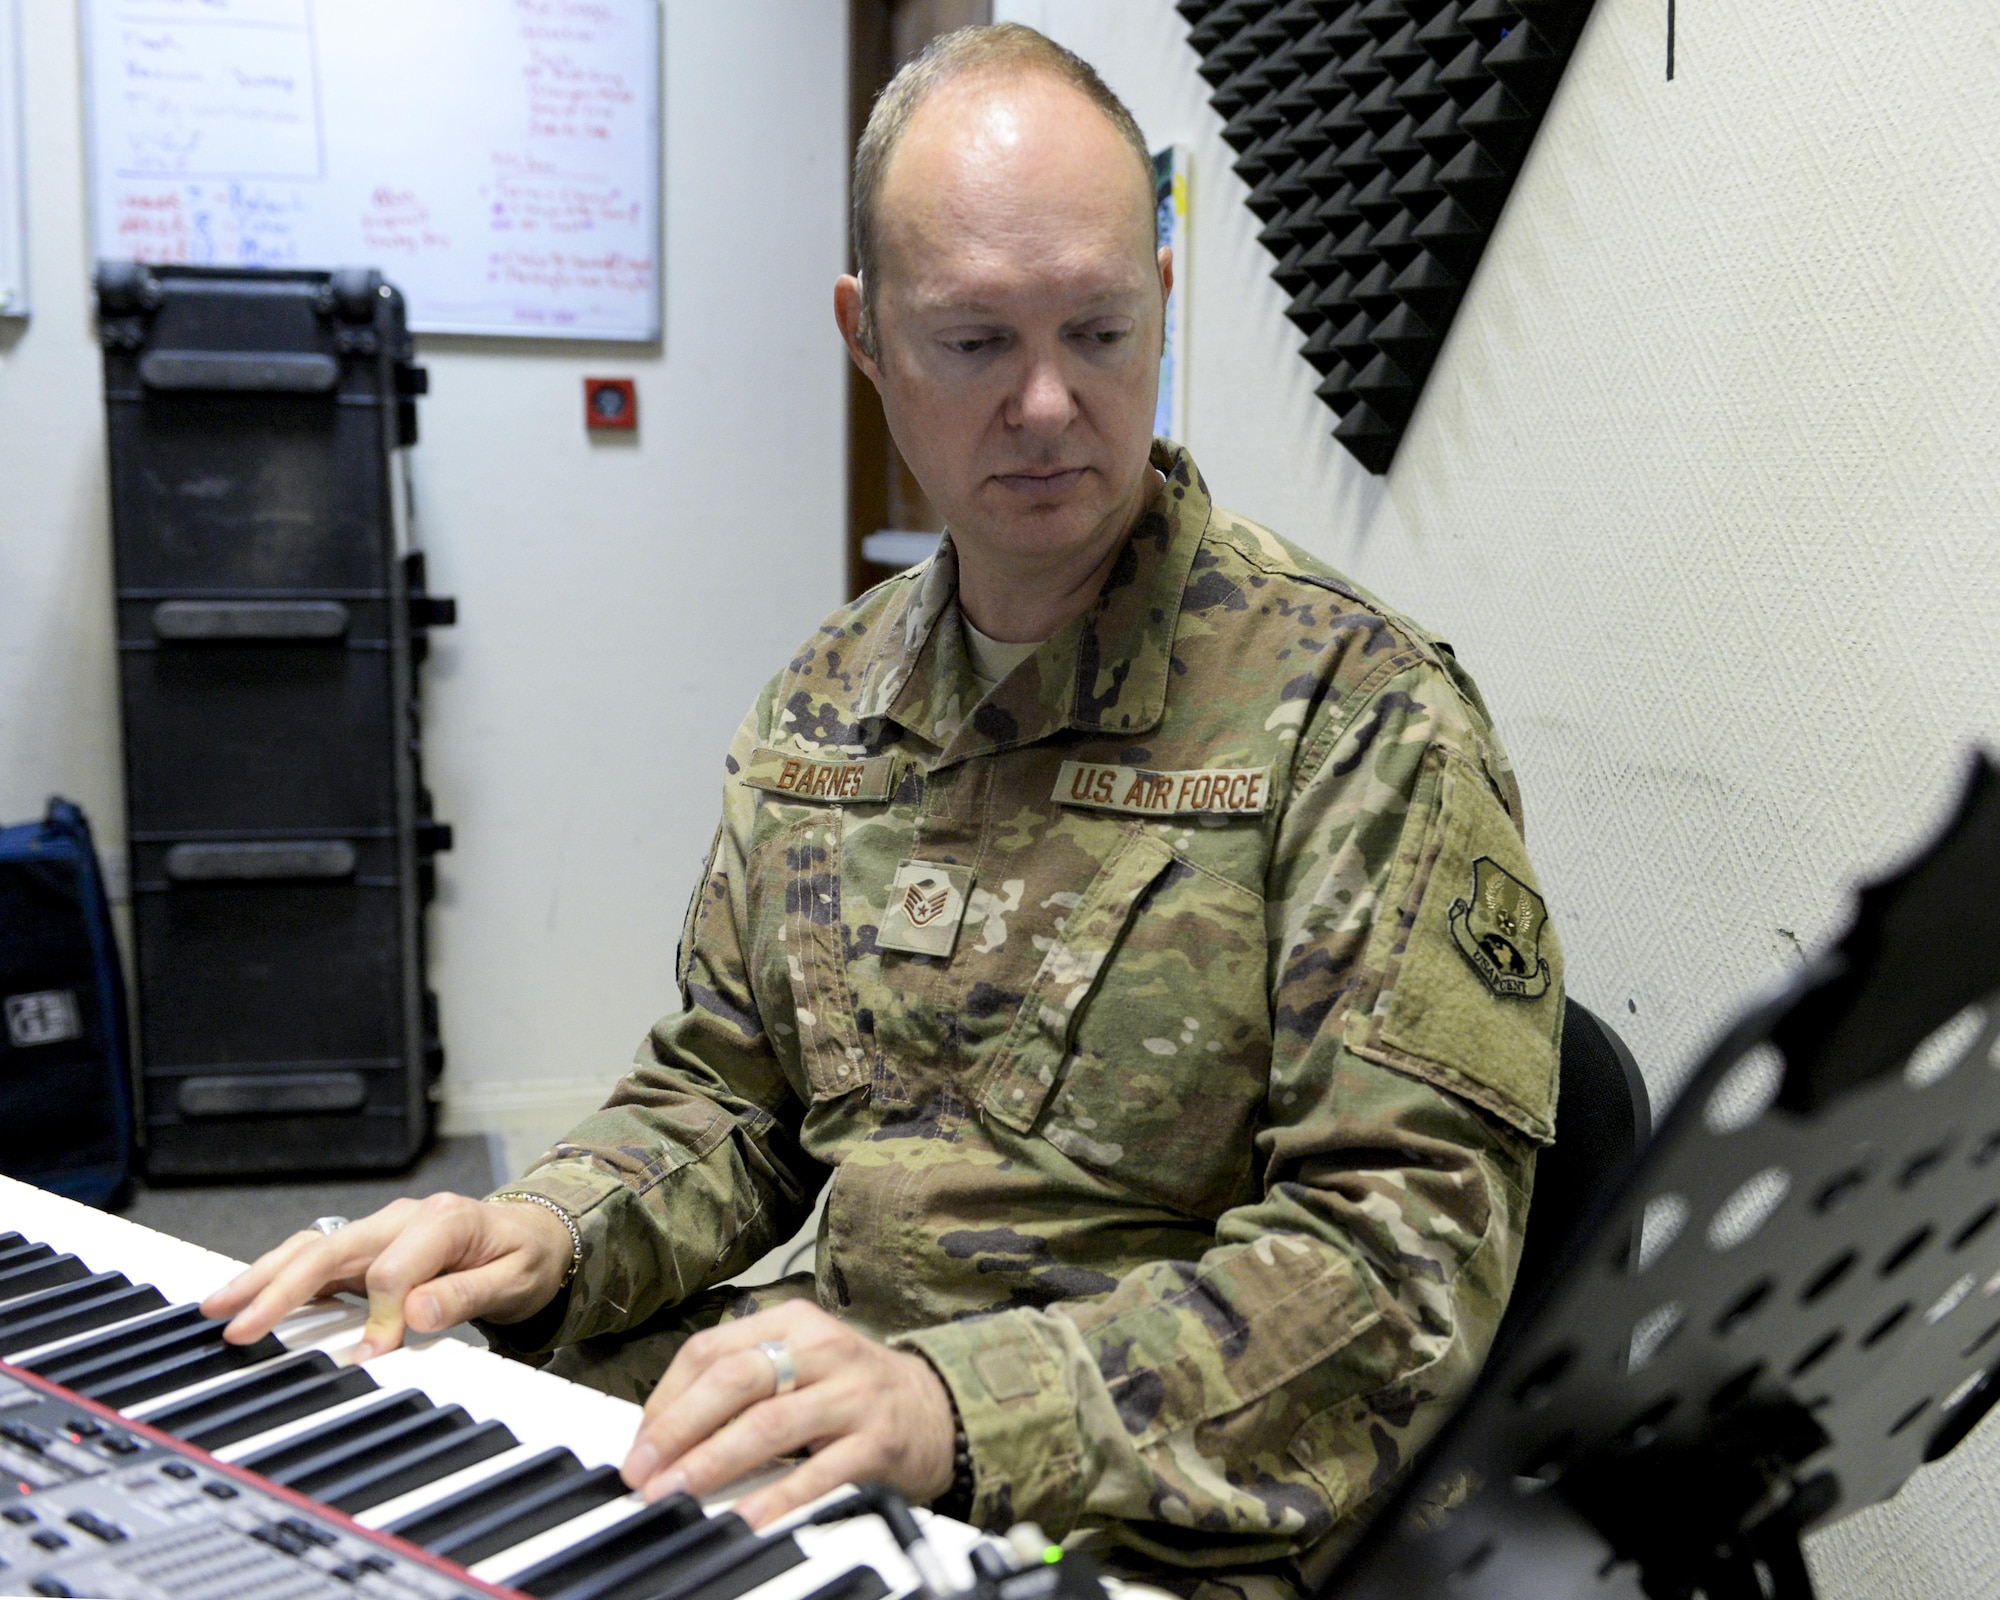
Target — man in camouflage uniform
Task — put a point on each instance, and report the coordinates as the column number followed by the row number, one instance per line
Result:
column 1174, row 1020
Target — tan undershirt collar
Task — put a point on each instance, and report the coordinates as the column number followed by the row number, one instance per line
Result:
column 992, row 659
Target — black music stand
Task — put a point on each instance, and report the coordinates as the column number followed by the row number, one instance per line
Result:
column 1813, row 1313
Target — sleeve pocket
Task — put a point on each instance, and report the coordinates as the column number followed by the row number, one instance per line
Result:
column 1472, row 1000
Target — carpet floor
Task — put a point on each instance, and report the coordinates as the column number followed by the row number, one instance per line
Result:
column 246, row 1219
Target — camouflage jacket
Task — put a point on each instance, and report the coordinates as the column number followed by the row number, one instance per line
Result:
column 1195, row 1152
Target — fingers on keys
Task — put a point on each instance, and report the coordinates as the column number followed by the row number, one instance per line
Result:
column 720, row 1374
column 866, row 1411
column 850, row 1460
column 304, row 1266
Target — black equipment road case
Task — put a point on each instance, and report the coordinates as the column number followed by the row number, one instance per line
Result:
column 269, row 632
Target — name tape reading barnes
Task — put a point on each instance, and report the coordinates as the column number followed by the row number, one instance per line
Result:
column 807, row 778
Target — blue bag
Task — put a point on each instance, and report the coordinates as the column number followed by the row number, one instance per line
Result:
column 65, row 1081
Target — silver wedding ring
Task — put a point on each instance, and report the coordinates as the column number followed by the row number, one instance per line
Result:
column 781, row 1366
column 328, row 1224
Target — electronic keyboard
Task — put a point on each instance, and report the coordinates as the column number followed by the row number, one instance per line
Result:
column 142, row 1458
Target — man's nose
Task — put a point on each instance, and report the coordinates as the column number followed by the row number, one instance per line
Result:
column 1044, row 402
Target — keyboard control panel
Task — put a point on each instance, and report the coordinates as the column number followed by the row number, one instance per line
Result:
column 92, row 1505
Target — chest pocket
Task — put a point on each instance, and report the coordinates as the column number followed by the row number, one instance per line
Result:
column 1031, row 1056
column 810, row 938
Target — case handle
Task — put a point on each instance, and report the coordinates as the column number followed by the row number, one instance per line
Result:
column 210, row 620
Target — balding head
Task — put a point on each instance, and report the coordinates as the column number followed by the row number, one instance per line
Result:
column 1010, row 313
column 998, row 51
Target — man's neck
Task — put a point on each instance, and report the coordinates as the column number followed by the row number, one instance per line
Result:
column 1018, row 600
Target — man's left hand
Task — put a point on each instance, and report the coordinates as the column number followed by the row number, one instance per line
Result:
column 867, row 1413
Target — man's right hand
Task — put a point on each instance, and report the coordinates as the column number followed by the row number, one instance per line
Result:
column 424, row 1265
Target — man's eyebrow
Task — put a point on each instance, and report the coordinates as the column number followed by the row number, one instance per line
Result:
column 971, row 306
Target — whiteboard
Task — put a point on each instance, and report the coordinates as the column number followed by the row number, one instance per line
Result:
column 13, row 169
column 498, row 160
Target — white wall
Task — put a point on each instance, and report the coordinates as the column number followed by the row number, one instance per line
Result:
column 1705, row 488
column 620, row 602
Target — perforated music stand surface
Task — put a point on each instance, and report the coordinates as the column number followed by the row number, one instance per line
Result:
column 1815, row 1311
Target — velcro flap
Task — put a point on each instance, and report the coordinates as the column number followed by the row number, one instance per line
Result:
column 1473, row 1001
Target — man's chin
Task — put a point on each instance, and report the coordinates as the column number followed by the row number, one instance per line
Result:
column 1039, row 529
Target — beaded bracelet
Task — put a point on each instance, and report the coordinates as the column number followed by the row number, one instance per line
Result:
column 956, row 1502
column 569, row 1222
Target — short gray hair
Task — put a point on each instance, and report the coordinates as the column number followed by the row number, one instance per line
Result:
column 1011, row 47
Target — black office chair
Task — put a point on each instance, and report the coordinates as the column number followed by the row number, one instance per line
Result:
column 1603, row 1119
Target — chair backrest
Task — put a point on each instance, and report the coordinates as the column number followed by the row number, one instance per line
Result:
column 1603, row 1118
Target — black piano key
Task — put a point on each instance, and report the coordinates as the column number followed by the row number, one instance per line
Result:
column 177, row 1368
column 369, row 1419
column 856, row 1583
column 502, row 1491
column 43, row 1272
column 88, row 1303
column 21, row 1252
column 56, row 1295
column 723, row 1574
column 13, row 1241
column 80, row 1356
column 412, row 1466
column 302, row 1397
column 549, row 1507
column 335, row 1461
column 226, row 1396
column 644, row 1529
column 718, row 1554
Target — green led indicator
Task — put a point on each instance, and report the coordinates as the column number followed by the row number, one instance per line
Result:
column 1052, row 1554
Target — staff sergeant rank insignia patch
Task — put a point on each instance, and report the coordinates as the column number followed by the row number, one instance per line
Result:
column 926, row 904
column 1500, row 932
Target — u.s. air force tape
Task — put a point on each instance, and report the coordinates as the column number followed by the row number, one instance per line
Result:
column 812, row 778
column 1140, row 791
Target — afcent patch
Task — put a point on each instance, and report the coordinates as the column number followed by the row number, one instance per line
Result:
column 1500, row 932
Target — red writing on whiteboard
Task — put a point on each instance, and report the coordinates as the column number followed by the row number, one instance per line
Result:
column 396, row 219
column 152, row 225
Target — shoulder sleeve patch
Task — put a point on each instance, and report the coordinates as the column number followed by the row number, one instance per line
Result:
column 1473, row 1000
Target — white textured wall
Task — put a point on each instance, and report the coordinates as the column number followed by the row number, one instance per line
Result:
column 1706, row 490
column 620, row 602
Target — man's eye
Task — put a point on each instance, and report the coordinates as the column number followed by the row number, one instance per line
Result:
column 1105, row 336
column 972, row 344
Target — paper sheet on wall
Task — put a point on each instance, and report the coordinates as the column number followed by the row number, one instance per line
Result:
column 498, row 160
column 13, row 169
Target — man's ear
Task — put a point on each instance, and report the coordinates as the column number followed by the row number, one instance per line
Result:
column 1166, row 272
column 847, row 314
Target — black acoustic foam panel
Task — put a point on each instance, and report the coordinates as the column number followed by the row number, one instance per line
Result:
column 1379, row 139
